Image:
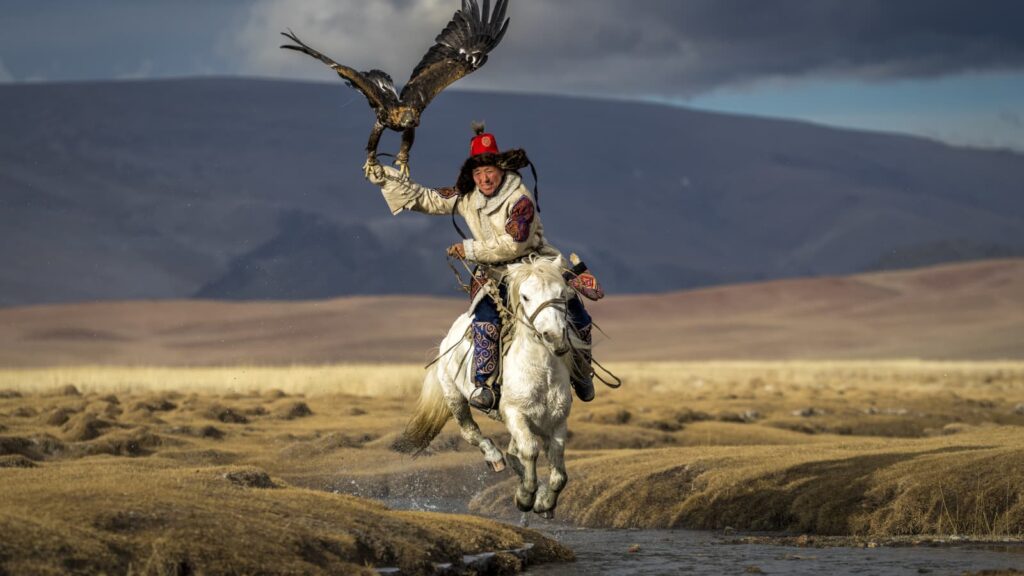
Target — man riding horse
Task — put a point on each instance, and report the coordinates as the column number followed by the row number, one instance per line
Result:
column 503, row 219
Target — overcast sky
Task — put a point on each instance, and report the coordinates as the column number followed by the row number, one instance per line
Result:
column 950, row 69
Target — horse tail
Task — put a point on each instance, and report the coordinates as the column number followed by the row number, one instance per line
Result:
column 429, row 417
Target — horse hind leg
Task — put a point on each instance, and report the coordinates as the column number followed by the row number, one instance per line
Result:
column 547, row 496
column 471, row 433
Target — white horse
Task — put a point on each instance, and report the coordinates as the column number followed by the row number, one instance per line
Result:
column 535, row 394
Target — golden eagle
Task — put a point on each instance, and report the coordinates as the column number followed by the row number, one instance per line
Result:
column 459, row 49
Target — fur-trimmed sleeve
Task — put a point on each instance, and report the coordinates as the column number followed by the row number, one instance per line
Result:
column 401, row 194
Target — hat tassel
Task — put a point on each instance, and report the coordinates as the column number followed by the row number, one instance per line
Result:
column 536, row 192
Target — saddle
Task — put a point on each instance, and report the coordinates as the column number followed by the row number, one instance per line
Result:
column 579, row 278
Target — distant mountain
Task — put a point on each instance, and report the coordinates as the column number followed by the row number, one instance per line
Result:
column 251, row 189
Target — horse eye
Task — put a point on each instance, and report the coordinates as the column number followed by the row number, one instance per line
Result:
column 526, row 298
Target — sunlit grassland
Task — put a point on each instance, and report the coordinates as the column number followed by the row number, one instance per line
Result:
column 401, row 380
column 394, row 380
column 875, row 448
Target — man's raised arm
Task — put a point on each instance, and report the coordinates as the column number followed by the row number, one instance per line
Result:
column 403, row 194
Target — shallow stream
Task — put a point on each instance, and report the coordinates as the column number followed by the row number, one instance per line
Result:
column 694, row 552
column 656, row 552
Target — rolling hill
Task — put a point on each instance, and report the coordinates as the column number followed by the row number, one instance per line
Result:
column 247, row 189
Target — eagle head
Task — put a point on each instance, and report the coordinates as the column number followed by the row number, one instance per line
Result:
column 405, row 117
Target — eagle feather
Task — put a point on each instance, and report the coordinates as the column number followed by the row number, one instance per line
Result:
column 461, row 48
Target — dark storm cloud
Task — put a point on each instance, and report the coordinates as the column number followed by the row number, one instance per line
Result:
column 694, row 45
column 614, row 47
column 871, row 38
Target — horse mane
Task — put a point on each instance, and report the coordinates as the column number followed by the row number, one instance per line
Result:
column 546, row 269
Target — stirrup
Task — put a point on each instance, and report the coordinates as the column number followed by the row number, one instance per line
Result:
column 484, row 398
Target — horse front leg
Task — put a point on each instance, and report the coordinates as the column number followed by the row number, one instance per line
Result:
column 471, row 433
column 523, row 451
column 547, row 496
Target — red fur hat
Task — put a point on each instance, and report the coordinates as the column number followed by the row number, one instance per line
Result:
column 483, row 143
column 483, row 151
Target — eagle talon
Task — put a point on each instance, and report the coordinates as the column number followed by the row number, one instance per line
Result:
column 403, row 168
column 373, row 171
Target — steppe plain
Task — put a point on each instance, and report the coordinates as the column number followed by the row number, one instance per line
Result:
column 147, row 438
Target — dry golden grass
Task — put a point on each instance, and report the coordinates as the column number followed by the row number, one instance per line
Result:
column 168, row 483
column 395, row 380
column 399, row 380
column 153, row 516
column 967, row 484
column 127, row 467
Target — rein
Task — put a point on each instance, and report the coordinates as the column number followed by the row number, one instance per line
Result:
column 560, row 304
column 455, row 210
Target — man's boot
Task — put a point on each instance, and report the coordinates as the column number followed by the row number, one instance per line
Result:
column 485, row 363
column 582, row 373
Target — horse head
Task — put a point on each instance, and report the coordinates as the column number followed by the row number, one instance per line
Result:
column 539, row 295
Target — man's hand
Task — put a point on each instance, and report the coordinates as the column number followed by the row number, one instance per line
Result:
column 457, row 250
column 374, row 172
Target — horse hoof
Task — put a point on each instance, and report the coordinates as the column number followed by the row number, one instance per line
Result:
column 547, row 514
column 497, row 465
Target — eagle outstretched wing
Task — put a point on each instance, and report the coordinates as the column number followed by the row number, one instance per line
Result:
column 376, row 85
column 460, row 48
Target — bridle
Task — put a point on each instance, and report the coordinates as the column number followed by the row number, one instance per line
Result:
column 560, row 304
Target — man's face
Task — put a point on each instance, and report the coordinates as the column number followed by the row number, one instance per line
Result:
column 487, row 179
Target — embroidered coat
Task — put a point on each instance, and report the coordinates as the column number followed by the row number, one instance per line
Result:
column 504, row 227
